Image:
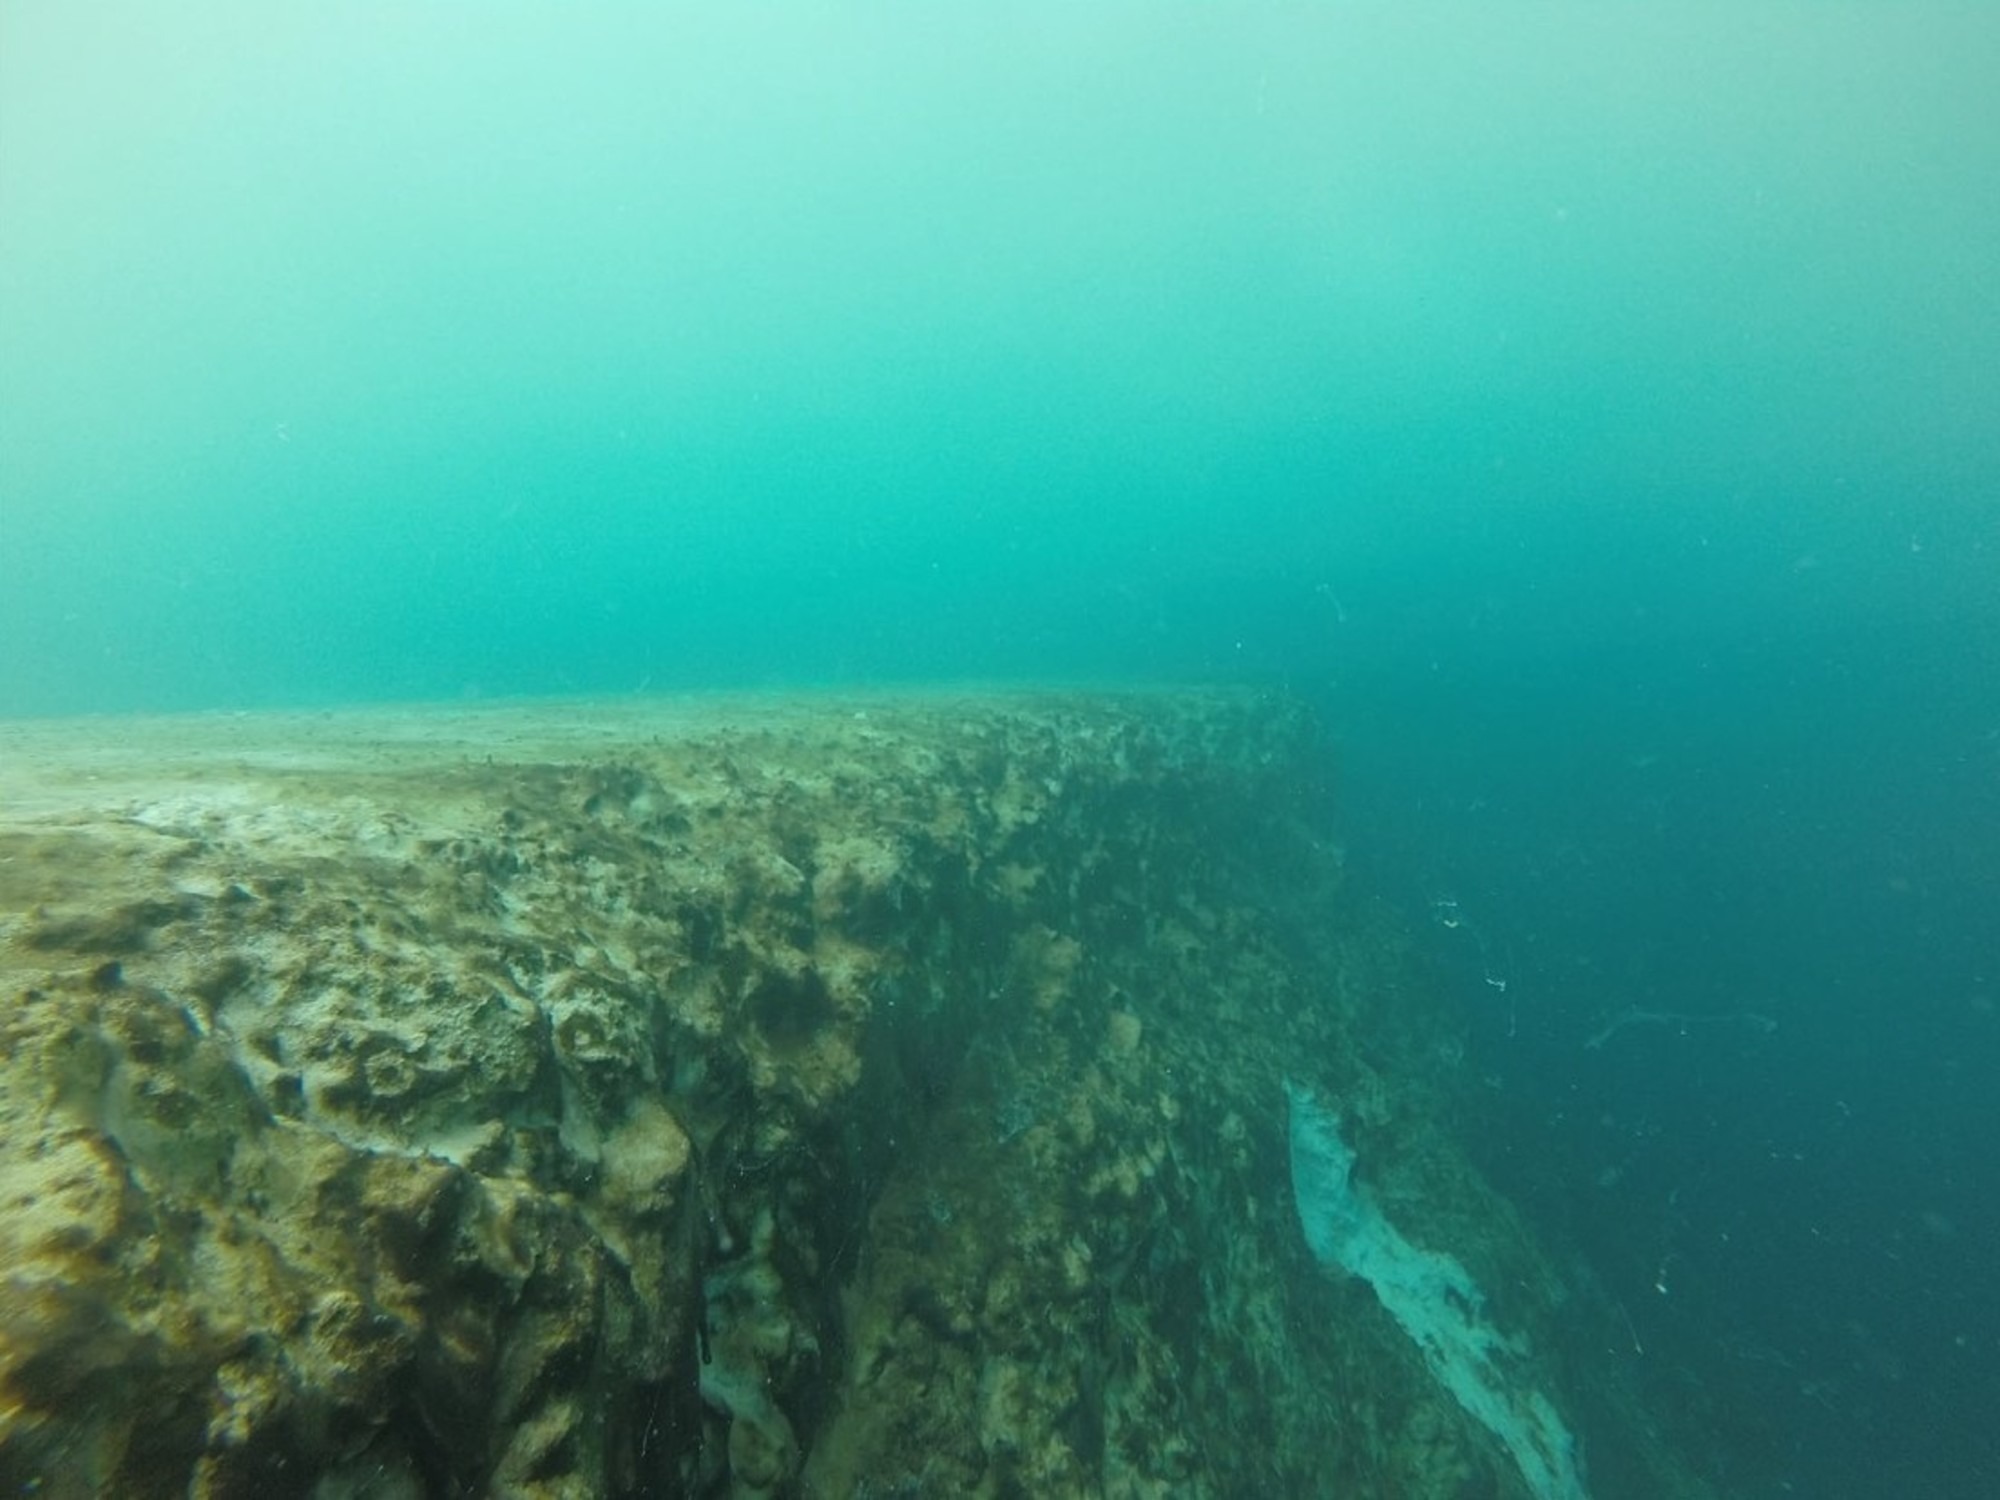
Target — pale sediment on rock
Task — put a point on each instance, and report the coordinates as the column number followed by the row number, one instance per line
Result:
column 1432, row 1298
column 794, row 1096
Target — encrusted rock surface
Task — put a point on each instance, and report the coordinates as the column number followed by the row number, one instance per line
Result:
column 870, row 1096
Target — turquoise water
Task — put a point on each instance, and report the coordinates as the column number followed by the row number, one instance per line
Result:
column 1591, row 407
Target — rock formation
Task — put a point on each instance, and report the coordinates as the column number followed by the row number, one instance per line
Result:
column 860, row 1096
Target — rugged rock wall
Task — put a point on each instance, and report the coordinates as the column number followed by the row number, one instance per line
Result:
column 860, row 1097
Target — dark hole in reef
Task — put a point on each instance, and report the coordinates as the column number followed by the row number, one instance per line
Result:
column 703, row 929
column 789, row 1008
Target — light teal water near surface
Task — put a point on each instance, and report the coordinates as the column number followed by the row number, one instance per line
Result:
column 1590, row 407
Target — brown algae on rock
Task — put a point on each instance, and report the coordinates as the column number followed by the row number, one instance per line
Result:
column 810, row 1096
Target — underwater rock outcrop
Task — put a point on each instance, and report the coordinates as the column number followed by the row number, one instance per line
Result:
column 870, row 1096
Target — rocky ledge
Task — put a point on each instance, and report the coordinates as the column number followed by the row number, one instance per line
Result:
column 862, row 1096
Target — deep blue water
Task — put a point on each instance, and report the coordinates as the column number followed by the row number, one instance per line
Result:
column 1590, row 407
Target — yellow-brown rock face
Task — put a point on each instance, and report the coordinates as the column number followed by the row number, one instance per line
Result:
column 815, row 1097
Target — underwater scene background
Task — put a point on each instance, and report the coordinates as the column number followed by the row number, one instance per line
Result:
column 1588, row 410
